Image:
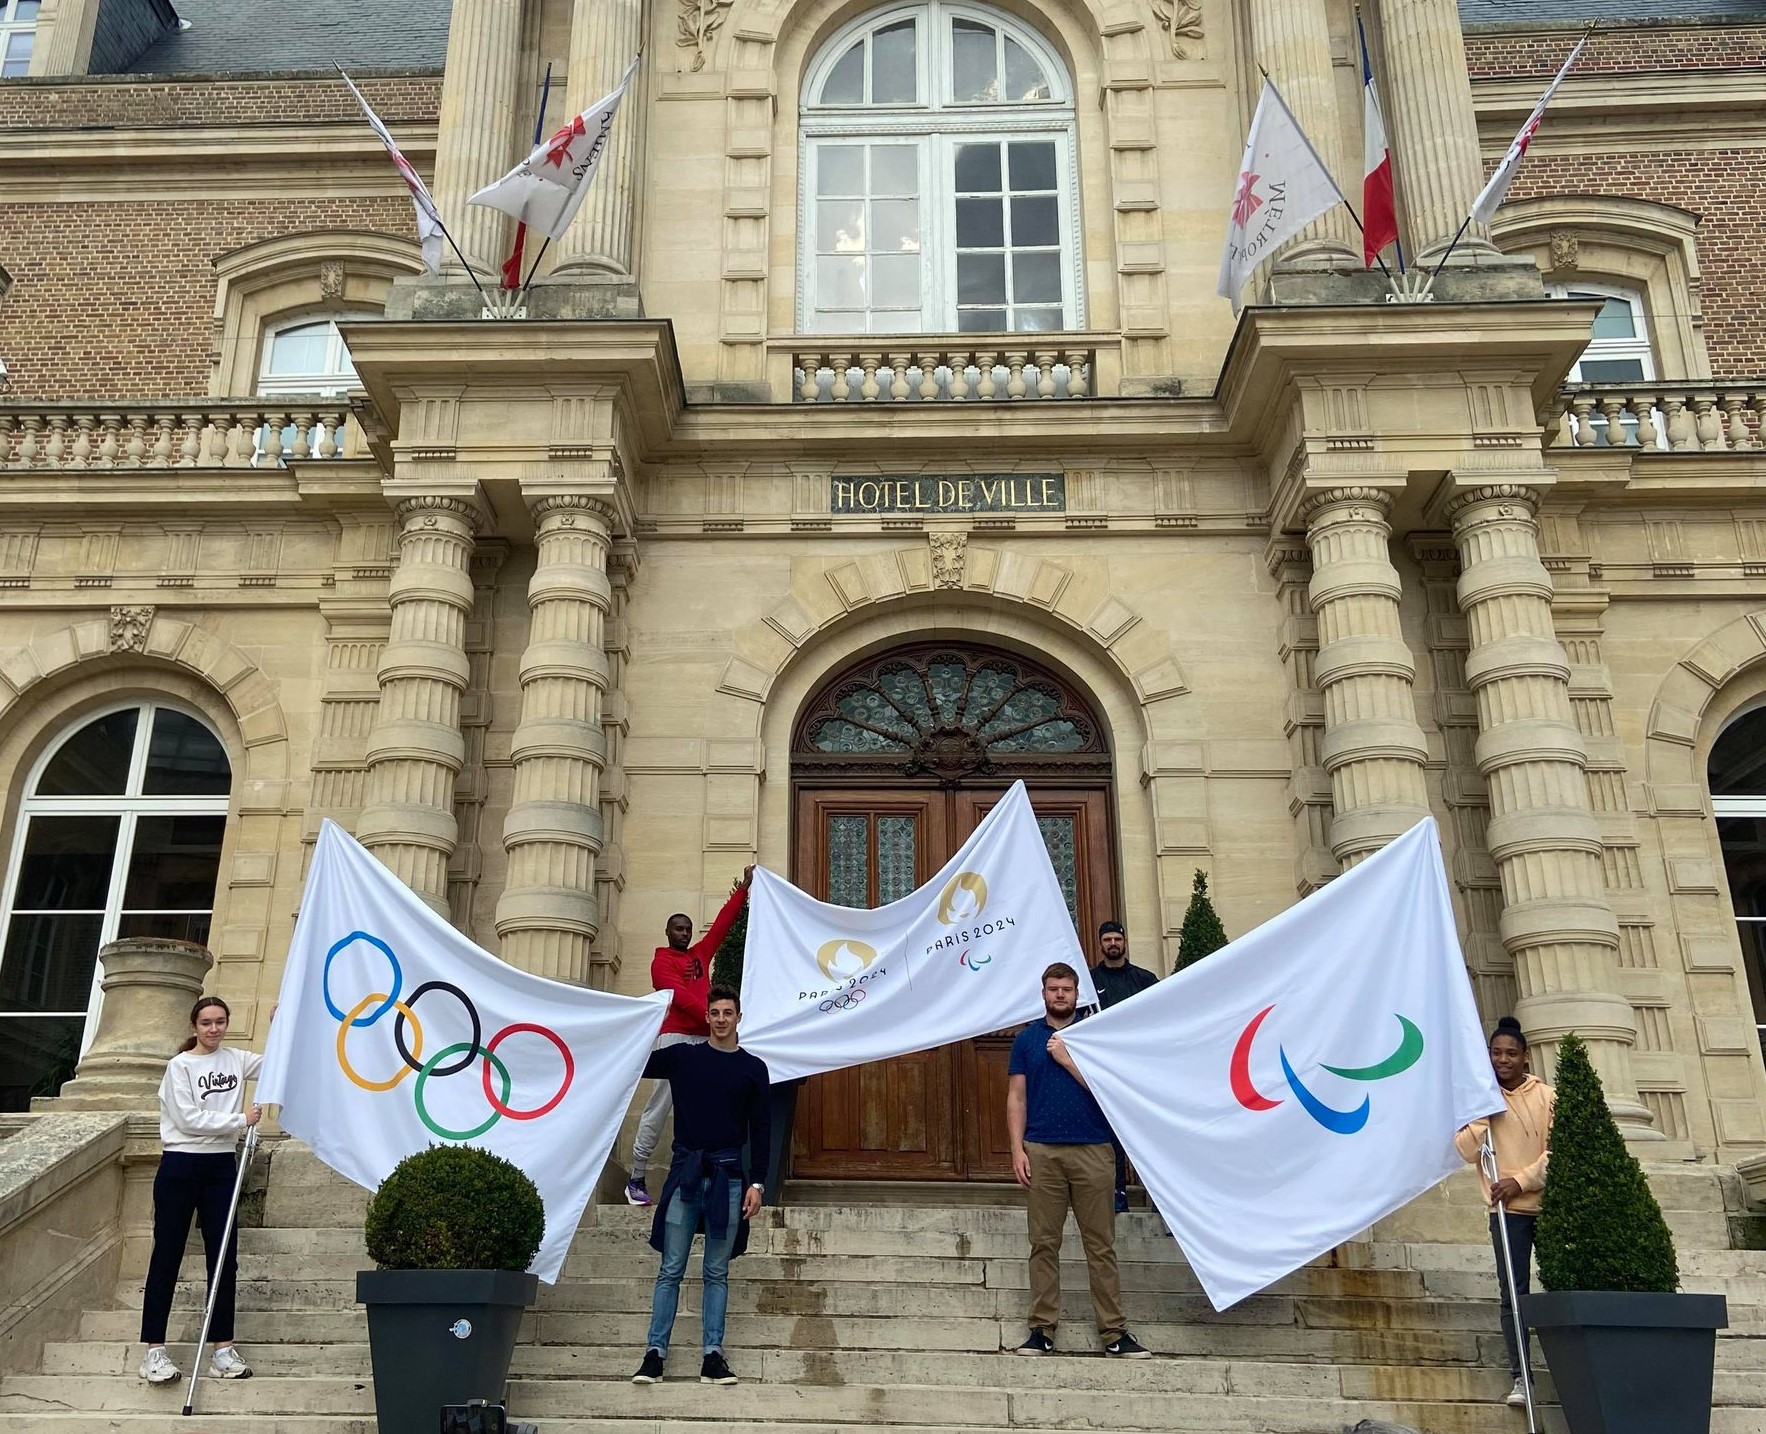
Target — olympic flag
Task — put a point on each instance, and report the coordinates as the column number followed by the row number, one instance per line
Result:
column 394, row 1032
column 833, row 986
column 1283, row 1094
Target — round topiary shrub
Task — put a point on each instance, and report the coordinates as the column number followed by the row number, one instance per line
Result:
column 455, row 1207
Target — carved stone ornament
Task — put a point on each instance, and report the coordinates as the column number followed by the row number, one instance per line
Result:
column 128, row 628
column 1181, row 20
column 700, row 20
column 331, row 280
column 1565, row 250
column 948, row 553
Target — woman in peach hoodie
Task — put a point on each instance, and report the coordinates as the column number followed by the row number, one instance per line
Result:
column 1521, row 1136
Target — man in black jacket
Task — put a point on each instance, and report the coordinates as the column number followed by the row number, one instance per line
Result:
column 720, row 1104
column 1117, row 978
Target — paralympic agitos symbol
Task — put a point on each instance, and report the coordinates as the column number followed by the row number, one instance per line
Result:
column 1340, row 1122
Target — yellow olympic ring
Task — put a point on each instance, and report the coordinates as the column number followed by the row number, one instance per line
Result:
column 343, row 1034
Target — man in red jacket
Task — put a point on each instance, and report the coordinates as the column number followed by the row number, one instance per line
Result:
column 684, row 968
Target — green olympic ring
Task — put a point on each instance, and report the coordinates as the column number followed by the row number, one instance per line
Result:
column 437, row 1059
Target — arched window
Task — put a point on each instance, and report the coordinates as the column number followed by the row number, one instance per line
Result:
column 119, row 835
column 938, row 180
column 308, row 357
column 1737, row 773
column 1619, row 349
column 18, row 35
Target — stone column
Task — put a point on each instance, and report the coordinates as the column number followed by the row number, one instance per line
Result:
column 1434, row 133
column 1293, row 42
column 1556, row 920
column 604, row 35
column 1373, row 747
column 149, row 987
column 415, row 750
column 477, row 130
column 547, row 916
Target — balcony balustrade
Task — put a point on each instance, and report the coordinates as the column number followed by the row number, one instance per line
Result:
column 1697, row 417
column 947, row 368
column 225, row 433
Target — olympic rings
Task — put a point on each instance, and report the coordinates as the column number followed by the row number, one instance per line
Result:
column 451, row 1060
column 845, row 1001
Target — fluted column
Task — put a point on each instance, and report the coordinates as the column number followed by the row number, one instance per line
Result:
column 1434, row 133
column 476, row 139
column 1293, row 42
column 547, row 916
column 1556, row 922
column 415, row 750
column 604, row 35
column 1373, row 748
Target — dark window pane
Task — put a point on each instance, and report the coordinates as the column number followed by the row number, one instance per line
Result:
column 1738, row 761
column 172, row 925
column 981, row 321
column 981, row 278
column 1024, row 77
column 1033, row 166
column 37, row 1054
column 1036, row 278
column 974, row 64
column 184, row 759
column 1620, row 370
column 981, row 224
column 94, row 762
column 174, row 863
column 1615, row 320
column 894, row 78
column 1034, row 222
column 66, row 865
column 48, row 961
column 978, row 169
column 845, row 84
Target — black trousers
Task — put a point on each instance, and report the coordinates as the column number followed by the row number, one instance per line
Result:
column 1520, row 1244
column 188, row 1184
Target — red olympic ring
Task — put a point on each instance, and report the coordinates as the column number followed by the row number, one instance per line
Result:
column 563, row 1090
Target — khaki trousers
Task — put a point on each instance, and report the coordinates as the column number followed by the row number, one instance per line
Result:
column 1081, row 1178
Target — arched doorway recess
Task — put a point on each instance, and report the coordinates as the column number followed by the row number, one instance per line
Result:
column 894, row 762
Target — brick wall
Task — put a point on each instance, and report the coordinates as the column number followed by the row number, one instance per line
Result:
column 91, row 104
column 1493, row 54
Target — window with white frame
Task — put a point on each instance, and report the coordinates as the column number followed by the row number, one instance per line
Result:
column 119, row 834
column 309, row 358
column 18, row 33
column 1737, row 774
column 938, row 183
column 1618, row 350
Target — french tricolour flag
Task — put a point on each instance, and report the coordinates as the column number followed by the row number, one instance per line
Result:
column 1379, row 204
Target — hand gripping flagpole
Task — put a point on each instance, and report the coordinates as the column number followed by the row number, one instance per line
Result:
column 214, row 1284
column 1487, row 1163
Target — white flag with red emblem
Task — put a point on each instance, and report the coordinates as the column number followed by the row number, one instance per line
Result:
column 1283, row 186
column 546, row 189
column 1485, row 205
column 430, row 230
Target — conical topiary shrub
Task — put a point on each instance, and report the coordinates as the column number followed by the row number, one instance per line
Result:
column 1201, row 931
column 1599, row 1227
column 726, row 965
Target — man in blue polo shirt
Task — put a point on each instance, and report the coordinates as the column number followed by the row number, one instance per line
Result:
column 1061, row 1153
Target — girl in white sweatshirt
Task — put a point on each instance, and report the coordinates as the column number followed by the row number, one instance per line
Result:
column 202, row 1114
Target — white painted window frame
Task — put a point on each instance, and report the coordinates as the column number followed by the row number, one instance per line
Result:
column 11, row 25
column 334, row 381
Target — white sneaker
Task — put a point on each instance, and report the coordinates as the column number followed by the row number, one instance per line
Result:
column 228, row 1363
column 158, row 1368
column 1517, row 1397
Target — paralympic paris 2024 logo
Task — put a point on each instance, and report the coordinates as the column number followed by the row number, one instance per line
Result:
column 1339, row 1122
column 451, row 1060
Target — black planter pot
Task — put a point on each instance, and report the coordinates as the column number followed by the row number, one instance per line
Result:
column 440, row 1337
column 1630, row 1363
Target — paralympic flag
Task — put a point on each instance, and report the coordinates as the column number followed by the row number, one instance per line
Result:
column 1284, row 1093
column 826, row 987
column 394, row 1033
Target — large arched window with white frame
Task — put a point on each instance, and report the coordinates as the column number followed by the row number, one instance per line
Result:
column 939, row 190
column 309, row 358
column 119, row 834
column 1737, row 775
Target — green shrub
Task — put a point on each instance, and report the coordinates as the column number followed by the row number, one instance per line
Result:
column 726, row 963
column 1599, row 1226
column 1201, row 931
column 455, row 1207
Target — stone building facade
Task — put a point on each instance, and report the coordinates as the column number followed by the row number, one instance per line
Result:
column 875, row 437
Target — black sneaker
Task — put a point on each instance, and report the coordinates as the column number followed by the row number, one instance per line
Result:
column 1126, row 1346
column 650, row 1371
column 1040, row 1342
column 716, row 1370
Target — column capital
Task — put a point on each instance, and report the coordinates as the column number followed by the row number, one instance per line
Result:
column 1357, row 494
column 427, row 510
column 565, row 510
column 1520, row 495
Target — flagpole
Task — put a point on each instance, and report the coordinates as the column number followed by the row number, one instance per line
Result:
column 1367, row 65
column 528, row 284
column 1487, row 1163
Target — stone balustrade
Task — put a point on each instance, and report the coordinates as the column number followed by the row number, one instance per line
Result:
column 1671, row 418
column 207, row 433
column 941, row 370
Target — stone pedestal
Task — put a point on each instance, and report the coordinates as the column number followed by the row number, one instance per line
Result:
column 149, row 986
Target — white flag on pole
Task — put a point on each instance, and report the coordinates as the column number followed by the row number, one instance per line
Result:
column 1282, row 187
column 825, row 987
column 1496, row 187
column 394, row 1032
column 546, row 189
column 430, row 230
column 1281, row 1095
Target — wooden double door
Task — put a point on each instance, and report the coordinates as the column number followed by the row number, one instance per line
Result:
column 941, row 1114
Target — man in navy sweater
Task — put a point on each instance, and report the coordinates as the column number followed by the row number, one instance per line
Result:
column 720, row 1103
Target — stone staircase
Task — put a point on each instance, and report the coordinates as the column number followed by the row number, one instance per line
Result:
column 847, row 1314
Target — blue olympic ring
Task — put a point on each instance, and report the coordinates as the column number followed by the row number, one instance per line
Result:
column 398, row 979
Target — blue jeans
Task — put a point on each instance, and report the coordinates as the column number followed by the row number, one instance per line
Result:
column 681, row 1223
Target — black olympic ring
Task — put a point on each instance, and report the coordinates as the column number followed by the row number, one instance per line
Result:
column 473, row 1051
column 845, row 1001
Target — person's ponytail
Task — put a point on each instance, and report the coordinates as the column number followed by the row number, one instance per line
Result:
column 195, row 1011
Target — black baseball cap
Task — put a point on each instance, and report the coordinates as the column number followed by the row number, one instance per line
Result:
column 1106, row 927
